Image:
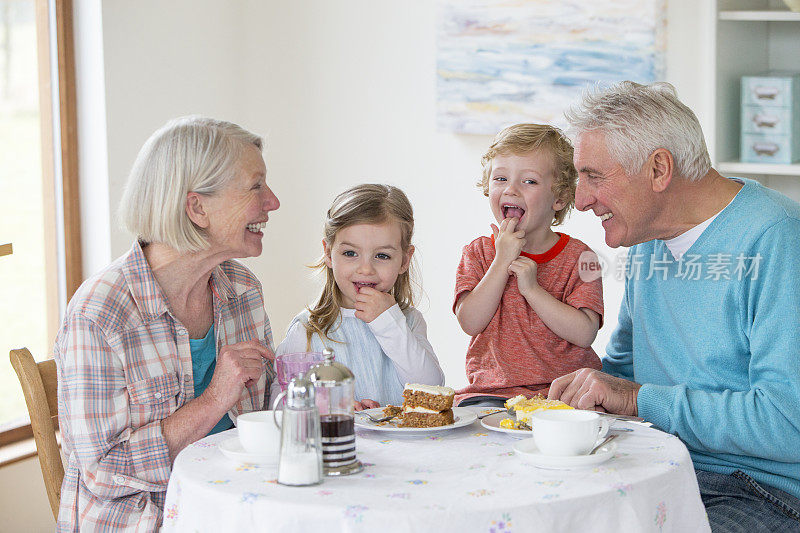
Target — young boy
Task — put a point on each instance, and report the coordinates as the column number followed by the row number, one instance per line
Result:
column 519, row 294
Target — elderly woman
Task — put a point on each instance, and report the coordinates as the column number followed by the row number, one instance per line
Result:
column 171, row 341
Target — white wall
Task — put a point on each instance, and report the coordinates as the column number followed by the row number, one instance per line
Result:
column 24, row 506
column 344, row 93
column 163, row 60
column 92, row 147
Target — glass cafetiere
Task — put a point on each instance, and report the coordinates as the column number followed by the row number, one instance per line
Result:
column 334, row 388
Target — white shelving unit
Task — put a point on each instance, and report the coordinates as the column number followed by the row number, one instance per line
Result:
column 751, row 37
column 769, row 15
column 758, row 169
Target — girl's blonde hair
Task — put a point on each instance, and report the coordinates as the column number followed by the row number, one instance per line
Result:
column 363, row 204
column 521, row 139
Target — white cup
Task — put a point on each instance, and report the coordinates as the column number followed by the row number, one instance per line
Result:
column 567, row 431
column 258, row 433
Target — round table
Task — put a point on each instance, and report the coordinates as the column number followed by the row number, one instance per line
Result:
column 464, row 479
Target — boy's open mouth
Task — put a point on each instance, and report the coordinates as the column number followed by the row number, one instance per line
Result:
column 512, row 211
column 360, row 285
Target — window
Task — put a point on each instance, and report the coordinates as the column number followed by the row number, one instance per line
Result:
column 38, row 187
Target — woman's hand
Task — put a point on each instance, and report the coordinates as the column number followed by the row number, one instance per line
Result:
column 238, row 365
column 366, row 404
column 508, row 243
column 370, row 303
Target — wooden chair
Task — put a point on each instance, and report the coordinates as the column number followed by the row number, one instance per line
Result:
column 40, row 386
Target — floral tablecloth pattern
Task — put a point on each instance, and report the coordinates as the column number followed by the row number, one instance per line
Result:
column 466, row 479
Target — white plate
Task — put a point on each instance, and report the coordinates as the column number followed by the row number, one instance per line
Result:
column 530, row 454
column 461, row 417
column 493, row 422
column 233, row 450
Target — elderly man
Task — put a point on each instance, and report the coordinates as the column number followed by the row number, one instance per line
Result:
column 708, row 342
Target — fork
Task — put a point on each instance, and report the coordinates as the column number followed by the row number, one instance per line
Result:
column 376, row 420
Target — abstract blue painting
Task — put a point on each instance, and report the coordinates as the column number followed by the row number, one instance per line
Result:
column 501, row 62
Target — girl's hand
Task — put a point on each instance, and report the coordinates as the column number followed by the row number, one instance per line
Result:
column 371, row 302
column 507, row 243
column 524, row 269
column 238, row 365
column 366, row 404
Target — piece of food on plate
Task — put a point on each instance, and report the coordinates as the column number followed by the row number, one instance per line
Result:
column 426, row 406
column 507, row 423
column 392, row 410
column 511, row 402
column 525, row 408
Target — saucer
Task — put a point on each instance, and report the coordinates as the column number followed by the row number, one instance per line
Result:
column 232, row 449
column 530, row 454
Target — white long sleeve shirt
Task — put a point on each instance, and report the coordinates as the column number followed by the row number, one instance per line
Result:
column 383, row 354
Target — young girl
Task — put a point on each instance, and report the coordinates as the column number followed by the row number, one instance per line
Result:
column 365, row 313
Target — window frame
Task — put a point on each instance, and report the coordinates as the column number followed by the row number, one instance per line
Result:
column 67, row 153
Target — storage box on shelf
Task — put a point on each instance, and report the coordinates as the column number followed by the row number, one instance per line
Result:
column 750, row 37
column 770, row 119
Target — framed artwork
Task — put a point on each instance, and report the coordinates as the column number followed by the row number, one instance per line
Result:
column 500, row 62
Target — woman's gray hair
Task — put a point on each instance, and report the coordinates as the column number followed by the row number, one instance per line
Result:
column 188, row 154
column 638, row 119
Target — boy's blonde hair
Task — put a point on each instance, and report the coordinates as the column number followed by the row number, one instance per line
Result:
column 363, row 204
column 522, row 139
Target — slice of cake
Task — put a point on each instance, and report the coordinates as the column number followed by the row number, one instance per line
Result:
column 525, row 408
column 511, row 402
column 392, row 410
column 427, row 406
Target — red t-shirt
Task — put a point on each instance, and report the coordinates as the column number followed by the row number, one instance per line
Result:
column 517, row 353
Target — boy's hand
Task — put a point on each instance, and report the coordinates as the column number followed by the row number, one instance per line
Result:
column 507, row 242
column 524, row 269
column 371, row 302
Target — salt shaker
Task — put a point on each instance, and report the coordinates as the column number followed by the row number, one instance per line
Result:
column 300, row 461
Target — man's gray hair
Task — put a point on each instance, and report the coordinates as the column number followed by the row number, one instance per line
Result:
column 638, row 119
column 188, row 154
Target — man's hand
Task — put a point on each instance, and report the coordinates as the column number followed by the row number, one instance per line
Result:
column 507, row 242
column 371, row 302
column 366, row 404
column 591, row 389
column 524, row 269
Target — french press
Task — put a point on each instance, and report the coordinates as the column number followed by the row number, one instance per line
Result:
column 334, row 388
column 300, row 461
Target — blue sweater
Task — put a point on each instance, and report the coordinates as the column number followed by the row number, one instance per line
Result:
column 719, row 359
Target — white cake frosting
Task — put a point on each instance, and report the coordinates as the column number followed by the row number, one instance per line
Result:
column 419, row 410
column 430, row 389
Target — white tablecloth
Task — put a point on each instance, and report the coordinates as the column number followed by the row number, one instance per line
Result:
column 466, row 479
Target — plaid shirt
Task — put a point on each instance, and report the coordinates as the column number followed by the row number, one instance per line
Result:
column 124, row 364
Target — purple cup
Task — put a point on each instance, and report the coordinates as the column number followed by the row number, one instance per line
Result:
column 291, row 365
